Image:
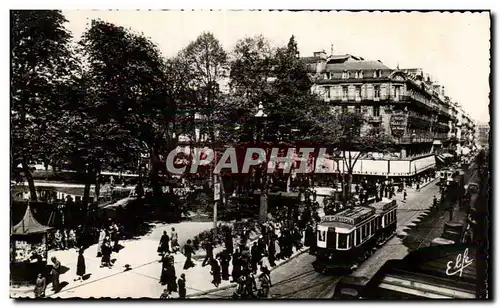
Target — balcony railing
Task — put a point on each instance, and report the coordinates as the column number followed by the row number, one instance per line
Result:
column 374, row 119
column 421, row 138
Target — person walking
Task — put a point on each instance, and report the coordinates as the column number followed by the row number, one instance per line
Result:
column 209, row 249
column 40, row 286
column 80, row 266
column 171, row 277
column 181, row 283
column 405, row 194
column 188, row 252
column 55, row 272
column 163, row 245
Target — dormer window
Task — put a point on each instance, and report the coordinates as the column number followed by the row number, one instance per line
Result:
column 358, row 74
column 345, row 75
column 377, row 74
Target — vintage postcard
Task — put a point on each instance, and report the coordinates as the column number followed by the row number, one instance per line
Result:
column 258, row 155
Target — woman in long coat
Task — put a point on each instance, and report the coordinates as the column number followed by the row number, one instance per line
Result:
column 188, row 252
column 80, row 265
column 171, row 278
column 164, row 270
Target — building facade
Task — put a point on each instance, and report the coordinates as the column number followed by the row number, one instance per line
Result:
column 405, row 103
column 483, row 135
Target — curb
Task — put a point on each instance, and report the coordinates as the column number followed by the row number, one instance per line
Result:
column 234, row 284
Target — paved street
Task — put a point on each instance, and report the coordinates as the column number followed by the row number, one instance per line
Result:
column 143, row 278
column 298, row 280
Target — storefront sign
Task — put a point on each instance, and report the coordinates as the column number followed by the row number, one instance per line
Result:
column 398, row 124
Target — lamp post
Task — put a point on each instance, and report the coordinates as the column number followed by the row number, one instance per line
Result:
column 260, row 117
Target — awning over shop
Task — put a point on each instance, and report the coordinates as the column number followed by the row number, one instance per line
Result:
column 436, row 142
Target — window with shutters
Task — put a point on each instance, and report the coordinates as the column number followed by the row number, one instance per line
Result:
column 376, row 92
column 376, row 111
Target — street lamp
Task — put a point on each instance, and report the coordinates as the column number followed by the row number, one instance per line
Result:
column 259, row 118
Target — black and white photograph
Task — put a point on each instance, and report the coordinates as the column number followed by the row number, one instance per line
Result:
column 250, row 155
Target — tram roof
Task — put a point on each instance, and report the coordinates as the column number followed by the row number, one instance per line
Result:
column 383, row 205
column 350, row 216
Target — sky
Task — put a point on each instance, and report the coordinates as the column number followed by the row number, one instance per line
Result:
column 454, row 48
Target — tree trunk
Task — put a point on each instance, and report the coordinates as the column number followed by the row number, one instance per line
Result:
column 349, row 183
column 97, row 188
column 29, row 179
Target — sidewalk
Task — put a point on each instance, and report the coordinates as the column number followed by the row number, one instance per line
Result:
column 142, row 280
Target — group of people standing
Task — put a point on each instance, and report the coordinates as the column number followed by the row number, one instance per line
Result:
column 64, row 239
column 167, row 249
column 108, row 242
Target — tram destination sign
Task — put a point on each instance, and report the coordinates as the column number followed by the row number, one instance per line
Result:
column 334, row 218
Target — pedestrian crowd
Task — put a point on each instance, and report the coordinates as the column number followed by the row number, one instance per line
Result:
column 108, row 242
column 241, row 260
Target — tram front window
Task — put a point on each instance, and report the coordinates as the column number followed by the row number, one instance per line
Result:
column 343, row 240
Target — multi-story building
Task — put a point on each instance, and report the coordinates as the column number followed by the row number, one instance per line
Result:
column 405, row 103
column 483, row 135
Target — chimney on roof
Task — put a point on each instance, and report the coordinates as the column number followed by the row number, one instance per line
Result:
column 442, row 91
column 320, row 54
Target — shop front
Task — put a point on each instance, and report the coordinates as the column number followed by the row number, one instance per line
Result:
column 28, row 249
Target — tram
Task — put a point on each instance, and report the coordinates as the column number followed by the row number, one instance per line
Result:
column 352, row 235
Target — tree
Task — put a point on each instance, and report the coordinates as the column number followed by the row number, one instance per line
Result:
column 129, row 79
column 351, row 140
column 279, row 79
column 41, row 62
column 90, row 142
column 206, row 63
